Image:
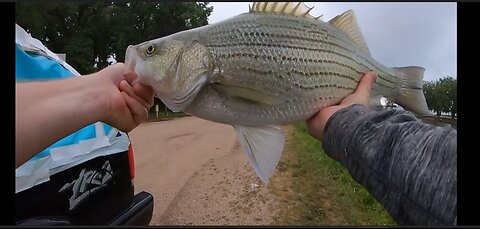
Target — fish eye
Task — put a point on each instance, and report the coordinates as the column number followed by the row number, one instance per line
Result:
column 150, row 50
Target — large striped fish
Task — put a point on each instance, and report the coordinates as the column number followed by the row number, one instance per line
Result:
column 274, row 65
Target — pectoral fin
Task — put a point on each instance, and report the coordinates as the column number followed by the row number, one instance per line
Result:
column 250, row 94
column 263, row 145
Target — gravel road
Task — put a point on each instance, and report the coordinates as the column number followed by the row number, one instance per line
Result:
column 198, row 175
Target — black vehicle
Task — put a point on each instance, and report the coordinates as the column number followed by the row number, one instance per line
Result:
column 97, row 192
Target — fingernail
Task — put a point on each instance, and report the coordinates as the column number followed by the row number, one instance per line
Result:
column 374, row 75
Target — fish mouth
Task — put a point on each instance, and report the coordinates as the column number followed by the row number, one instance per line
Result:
column 130, row 64
column 130, row 60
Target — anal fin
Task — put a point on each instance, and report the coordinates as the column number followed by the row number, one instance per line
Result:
column 263, row 146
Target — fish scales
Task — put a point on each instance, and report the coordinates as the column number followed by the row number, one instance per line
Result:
column 274, row 65
column 301, row 59
column 272, row 28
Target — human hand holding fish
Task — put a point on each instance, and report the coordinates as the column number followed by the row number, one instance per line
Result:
column 62, row 107
column 126, row 103
column 316, row 124
column 271, row 66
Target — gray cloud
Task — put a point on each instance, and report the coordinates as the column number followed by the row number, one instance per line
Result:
column 398, row 34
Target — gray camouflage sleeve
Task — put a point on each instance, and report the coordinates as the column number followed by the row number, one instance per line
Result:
column 409, row 166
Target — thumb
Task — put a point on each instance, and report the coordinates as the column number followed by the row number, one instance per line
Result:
column 362, row 93
column 114, row 72
column 366, row 84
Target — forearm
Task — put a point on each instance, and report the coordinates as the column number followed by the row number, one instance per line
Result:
column 408, row 166
column 48, row 111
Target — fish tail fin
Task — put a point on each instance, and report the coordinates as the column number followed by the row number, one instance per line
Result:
column 411, row 93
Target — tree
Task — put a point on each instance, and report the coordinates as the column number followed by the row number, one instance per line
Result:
column 148, row 21
column 449, row 87
column 69, row 28
column 429, row 90
column 441, row 95
column 92, row 33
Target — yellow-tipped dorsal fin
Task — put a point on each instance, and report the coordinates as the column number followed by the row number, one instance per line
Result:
column 289, row 8
column 347, row 23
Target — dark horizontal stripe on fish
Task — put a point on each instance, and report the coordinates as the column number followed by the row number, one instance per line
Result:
column 287, row 58
column 311, row 60
column 314, row 73
column 254, row 33
column 282, row 23
column 270, row 72
column 326, row 98
column 247, row 22
column 334, row 74
column 300, row 30
column 324, row 86
column 380, row 75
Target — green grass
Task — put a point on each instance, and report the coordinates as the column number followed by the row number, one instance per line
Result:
column 323, row 191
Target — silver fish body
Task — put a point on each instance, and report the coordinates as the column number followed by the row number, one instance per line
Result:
column 264, row 68
column 300, row 64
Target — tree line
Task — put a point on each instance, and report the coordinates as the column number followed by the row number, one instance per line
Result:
column 91, row 33
column 441, row 95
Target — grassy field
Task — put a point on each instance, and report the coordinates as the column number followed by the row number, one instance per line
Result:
column 316, row 190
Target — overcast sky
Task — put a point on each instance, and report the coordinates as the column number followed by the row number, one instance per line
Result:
column 397, row 34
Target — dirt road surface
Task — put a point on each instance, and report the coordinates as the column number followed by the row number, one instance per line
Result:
column 198, row 175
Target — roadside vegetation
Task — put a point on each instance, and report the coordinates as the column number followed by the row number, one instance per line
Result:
column 441, row 96
column 313, row 189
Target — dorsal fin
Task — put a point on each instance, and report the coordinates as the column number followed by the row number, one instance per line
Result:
column 347, row 23
column 289, row 8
